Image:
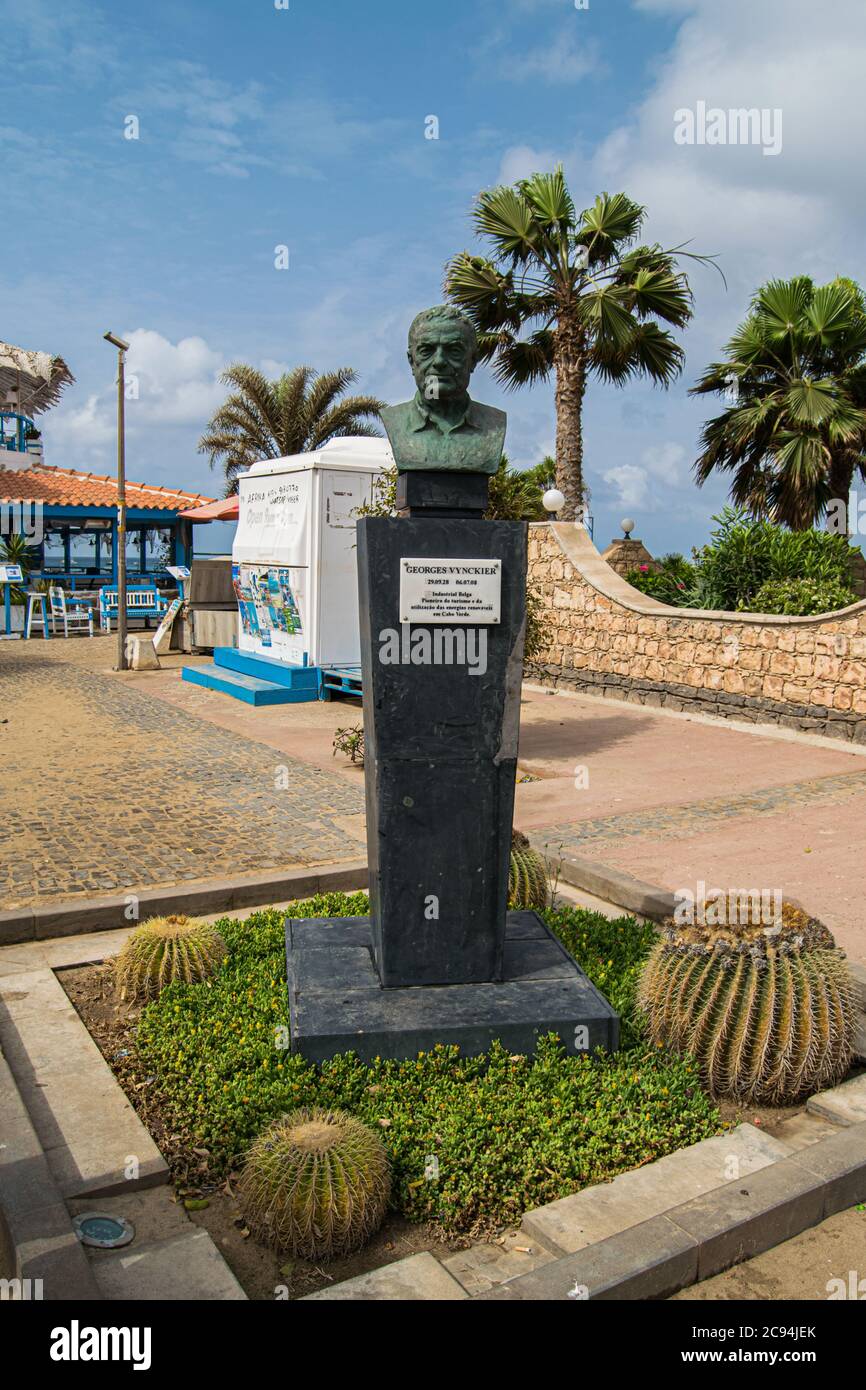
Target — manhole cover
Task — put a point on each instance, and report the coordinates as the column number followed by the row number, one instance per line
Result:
column 104, row 1231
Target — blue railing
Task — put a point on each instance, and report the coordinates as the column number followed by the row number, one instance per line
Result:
column 13, row 431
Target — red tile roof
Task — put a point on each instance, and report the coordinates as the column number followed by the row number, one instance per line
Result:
column 69, row 487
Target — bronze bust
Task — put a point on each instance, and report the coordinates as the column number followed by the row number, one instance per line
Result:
column 443, row 429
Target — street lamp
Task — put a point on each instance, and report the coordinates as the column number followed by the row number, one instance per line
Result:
column 122, row 349
column 553, row 501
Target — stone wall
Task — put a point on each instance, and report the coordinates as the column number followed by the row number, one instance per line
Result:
column 606, row 638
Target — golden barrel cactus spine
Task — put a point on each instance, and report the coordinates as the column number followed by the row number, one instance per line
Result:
column 165, row 950
column 527, row 875
column 768, row 1014
column 316, row 1184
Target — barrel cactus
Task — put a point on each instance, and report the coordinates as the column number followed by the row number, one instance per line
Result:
column 527, row 875
column 316, row 1184
column 767, row 1011
column 164, row 950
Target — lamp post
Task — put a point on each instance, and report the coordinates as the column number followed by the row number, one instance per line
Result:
column 122, row 349
column 553, row 501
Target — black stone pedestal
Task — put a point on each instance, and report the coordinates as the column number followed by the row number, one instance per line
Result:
column 441, row 714
column 337, row 1004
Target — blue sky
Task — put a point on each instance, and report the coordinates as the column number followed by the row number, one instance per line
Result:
column 305, row 127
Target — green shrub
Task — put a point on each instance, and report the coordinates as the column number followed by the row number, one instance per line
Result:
column 612, row 953
column 744, row 554
column 670, row 583
column 505, row 1133
column 801, row 597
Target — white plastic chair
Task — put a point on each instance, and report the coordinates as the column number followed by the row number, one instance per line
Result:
column 74, row 613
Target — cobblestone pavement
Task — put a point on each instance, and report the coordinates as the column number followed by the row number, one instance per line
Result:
column 676, row 821
column 105, row 788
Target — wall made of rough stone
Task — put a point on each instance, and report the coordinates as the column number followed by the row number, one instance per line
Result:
column 605, row 637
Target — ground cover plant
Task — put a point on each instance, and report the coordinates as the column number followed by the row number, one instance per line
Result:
column 472, row 1142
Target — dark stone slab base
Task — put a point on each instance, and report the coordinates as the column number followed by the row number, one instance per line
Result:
column 336, row 1003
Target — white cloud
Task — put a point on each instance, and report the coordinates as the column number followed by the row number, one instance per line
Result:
column 645, row 485
column 521, row 161
column 768, row 56
column 567, row 58
column 168, row 385
column 178, row 383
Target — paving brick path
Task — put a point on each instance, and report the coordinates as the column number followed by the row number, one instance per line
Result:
column 675, row 820
column 105, row 788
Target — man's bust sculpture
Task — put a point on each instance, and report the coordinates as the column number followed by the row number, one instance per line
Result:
column 443, row 428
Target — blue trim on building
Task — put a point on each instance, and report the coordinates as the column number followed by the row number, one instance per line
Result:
column 138, row 519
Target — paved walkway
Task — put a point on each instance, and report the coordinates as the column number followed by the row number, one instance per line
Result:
column 106, row 788
column 141, row 778
column 678, row 802
column 826, row 1261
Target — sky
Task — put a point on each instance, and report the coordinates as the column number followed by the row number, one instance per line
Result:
column 303, row 124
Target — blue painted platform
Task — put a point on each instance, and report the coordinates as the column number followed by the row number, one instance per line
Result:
column 343, row 680
column 263, row 680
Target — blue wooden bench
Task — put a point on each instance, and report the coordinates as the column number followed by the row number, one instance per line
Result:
column 142, row 601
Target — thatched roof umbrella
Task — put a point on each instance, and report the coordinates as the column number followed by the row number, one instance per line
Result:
column 35, row 380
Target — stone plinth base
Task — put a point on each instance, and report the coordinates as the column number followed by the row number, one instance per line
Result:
column 338, row 1005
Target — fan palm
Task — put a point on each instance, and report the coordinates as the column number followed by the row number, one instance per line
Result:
column 570, row 294
column 794, row 432
column 298, row 412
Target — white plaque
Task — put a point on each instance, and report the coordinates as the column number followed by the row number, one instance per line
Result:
column 450, row 591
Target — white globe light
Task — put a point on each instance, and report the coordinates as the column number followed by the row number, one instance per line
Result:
column 553, row 500
column 627, row 525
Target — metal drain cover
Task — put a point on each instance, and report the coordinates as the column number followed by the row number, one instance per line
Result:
column 102, row 1230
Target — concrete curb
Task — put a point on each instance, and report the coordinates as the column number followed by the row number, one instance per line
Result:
column 195, row 899
column 87, row 1129
column 37, row 1241
column 615, row 886
column 700, row 1238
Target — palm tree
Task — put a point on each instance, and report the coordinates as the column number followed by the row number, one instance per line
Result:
column 514, row 495
column 572, row 294
column 19, row 550
column 794, row 431
column 298, row 412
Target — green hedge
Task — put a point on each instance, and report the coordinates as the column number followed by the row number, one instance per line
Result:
column 508, row 1132
column 753, row 566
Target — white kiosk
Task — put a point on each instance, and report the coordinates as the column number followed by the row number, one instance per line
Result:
column 295, row 576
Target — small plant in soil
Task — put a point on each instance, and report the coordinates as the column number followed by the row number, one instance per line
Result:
column 351, row 742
